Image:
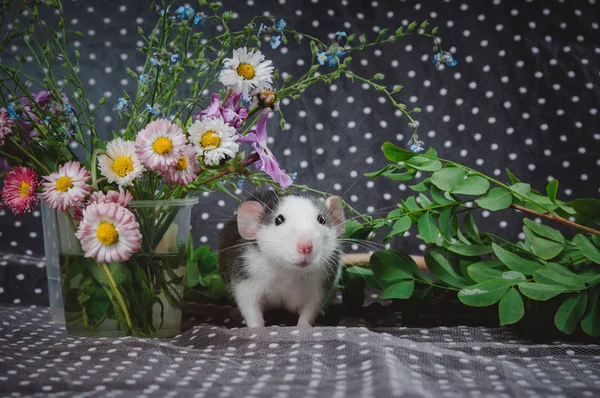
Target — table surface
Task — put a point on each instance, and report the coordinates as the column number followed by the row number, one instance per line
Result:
column 214, row 356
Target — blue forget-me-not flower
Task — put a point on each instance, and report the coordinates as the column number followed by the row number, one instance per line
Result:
column 152, row 109
column 122, row 104
column 275, row 41
column 11, row 111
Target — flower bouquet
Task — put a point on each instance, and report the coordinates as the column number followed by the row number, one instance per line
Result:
column 117, row 209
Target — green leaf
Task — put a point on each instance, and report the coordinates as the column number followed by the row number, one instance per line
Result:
column 511, row 308
column 412, row 26
column 496, row 199
column 359, row 271
column 587, row 209
column 395, row 154
column 363, row 274
column 363, row 39
column 485, row 293
column 400, row 290
column 473, row 185
column 431, row 153
column 485, row 270
column 427, row 228
column 554, row 274
column 411, row 204
column 514, row 276
column 438, row 196
column 544, row 231
column 401, row 226
column 469, row 250
column 552, row 189
column 385, row 170
column 591, row 321
column 386, row 265
column 448, row 178
column 443, row 270
column 444, row 221
column 424, row 163
column 192, row 274
column 360, row 233
column 587, row 248
column 409, row 175
column 514, row 262
column 120, row 273
column 546, row 249
column 351, row 226
column 512, row 177
column 570, row 312
column 424, row 201
column 394, row 213
column 470, row 228
column 522, row 188
column 420, row 187
column 540, row 291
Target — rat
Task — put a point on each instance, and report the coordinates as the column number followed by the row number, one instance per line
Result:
column 282, row 252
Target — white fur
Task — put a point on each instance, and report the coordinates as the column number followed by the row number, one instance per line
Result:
column 275, row 280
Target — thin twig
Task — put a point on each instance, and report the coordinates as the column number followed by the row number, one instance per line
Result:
column 559, row 219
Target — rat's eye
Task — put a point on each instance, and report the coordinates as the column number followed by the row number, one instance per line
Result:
column 321, row 219
column 279, row 220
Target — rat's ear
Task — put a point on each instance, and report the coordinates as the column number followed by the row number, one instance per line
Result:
column 248, row 218
column 335, row 209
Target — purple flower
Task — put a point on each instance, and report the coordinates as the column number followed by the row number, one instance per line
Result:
column 6, row 125
column 267, row 162
column 4, row 165
column 231, row 113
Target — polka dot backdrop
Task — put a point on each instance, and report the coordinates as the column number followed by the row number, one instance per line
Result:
column 523, row 96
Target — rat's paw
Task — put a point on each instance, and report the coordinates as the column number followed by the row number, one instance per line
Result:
column 303, row 323
column 256, row 324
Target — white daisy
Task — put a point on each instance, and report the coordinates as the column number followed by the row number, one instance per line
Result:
column 246, row 71
column 214, row 139
column 120, row 164
column 67, row 187
column 159, row 144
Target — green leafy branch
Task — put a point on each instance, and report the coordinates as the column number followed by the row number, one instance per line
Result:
column 561, row 273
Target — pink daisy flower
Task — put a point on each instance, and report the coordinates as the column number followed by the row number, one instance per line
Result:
column 159, row 144
column 67, row 187
column 184, row 171
column 109, row 232
column 19, row 189
column 120, row 197
column 6, row 125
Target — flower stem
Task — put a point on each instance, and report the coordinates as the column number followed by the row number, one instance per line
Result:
column 559, row 219
column 117, row 294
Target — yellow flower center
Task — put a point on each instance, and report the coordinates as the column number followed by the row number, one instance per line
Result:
column 122, row 166
column 162, row 145
column 210, row 139
column 246, row 71
column 25, row 187
column 267, row 97
column 107, row 234
column 182, row 163
column 63, row 184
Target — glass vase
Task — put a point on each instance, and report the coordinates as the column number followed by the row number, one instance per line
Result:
column 142, row 296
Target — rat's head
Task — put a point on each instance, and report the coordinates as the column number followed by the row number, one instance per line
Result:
column 294, row 232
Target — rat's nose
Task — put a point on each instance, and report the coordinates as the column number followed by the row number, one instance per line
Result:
column 304, row 246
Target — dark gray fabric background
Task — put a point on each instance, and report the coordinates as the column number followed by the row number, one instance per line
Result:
column 524, row 95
